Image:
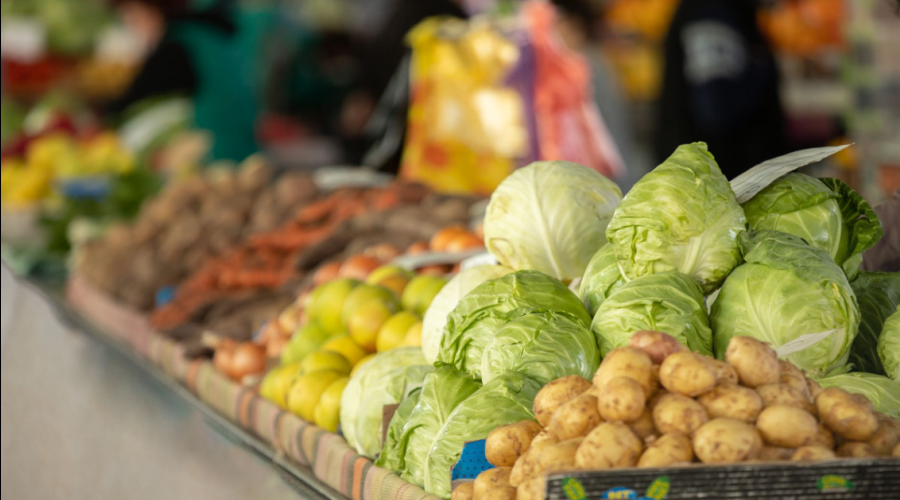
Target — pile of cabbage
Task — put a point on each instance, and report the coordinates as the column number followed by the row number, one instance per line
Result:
column 677, row 254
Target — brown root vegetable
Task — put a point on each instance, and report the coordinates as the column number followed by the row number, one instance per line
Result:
column 676, row 413
column 500, row 493
column 812, row 454
column 490, row 479
column 732, row 401
column 575, row 418
column 610, row 445
column 824, row 437
column 656, row 345
column 668, row 450
column 847, row 415
column 643, row 426
column 856, row 449
column 556, row 393
column 465, row 491
column 886, row 437
column 557, row 457
column 688, row 374
column 786, row 426
column 814, row 388
column 504, row 445
column 532, row 489
column 792, row 376
column 726, row 440
column 726, row 373
column 896, row 452
column 525, row 465
column 785, row 395
column 621, row 400
column 627, row 362
column 756, row 363
column 774, row 454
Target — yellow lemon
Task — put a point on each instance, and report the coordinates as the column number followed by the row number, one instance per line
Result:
column 328, row 411
column 307, row 391
column 345, row 345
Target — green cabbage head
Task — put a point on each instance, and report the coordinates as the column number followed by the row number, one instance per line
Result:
column 477, row 319
column 601, row 278
column 826, row 213
column 667, row 302
column 550, row 216
column 786, row 290
column 682, row 216
column 878, row 295
column 452, row 409
column 445, row 301
column 384, row 380
column 889, row 346
column 883, row 392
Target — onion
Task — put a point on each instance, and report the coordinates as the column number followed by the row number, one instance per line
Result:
column 437, row 269
column 275, row 345
column 384, row 252
column 417, row 248
column 463, row 242
column 326, row 272
column 248, row 359
column 223, row 359
column 359, row 267
column 442, row 238
column 289, row 320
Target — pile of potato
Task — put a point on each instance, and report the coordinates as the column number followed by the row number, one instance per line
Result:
column 656, row 404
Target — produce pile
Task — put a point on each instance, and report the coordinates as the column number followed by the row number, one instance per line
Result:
column 654, row 403
column 188, row 223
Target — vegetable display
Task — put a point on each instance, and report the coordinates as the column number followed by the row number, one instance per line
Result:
column 682, row 216
column 878, row 296
column 788, row 292
column 600, row 279
column 883, row 392
column 550, row 217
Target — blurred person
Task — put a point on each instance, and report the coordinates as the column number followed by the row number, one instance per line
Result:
column 195, row 51
column 578, row 28
column 720, row 85
column 885, row 255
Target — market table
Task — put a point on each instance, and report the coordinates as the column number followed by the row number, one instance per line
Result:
column 83, row 419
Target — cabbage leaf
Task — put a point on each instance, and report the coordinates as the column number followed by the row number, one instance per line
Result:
column 889, row 346
column 601, row 278
column 878, row 295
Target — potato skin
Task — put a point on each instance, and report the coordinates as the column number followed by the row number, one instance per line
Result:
column 732, row 401
column 794, row 377
column 676, row 413
column 557, row 457
column 783, row 394
column 726, row 440
column 525, row 465
column 774, row 454
column 575, row 418
column 812, row 454
column 668, row 450
column 756, row 363
column 886, row 437
column 856, row 449
column 656, row 345
column 627, row 362
column 824, row 437
column 556, row 393
column 621, row 400
column 787, row 426
column 688, row 374
column 532, row 489
column 610, row 445
column 896, row 452
column 725, row 372
column 814, row 388
column 500, row 493
column 847, row 415
column 643, row 426
column 465, row 491
column 490, row 479
column 504, row 445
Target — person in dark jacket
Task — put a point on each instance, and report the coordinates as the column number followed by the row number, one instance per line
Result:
column 720, row 86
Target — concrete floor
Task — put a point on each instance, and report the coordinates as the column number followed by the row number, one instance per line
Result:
column 79, row 421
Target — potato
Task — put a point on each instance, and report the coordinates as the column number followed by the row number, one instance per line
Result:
column 688, row 374
column 656, row 345
column 465, row 491
column 774, row 454
column 785, row 395
column 896, row 452
column 886, row 437
column 812, row 454
column 490, row 479
column 643, row 426
column 755, row 362
column 532, row 489
column 627, row 362
column 824, row 437
column 732, row 401
column 793, row 377
column 677, row 413
column 726, row 440
column 856, row 449
column 575, row 418
column 668, row 450
column 504, row 445
column 786, row 426
column 610, row 445
column 556, row 393
column 525, row 465
column 499, row 493
column 621, row 400
column 845, row 414
column 558, row 457
column 725, row 373
column 814, row 388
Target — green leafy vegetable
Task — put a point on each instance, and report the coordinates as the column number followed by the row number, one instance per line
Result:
column 550, row 216
column 788, row 291
column 682, row 216
column 478, row 317
column 668, row 302
column 883, row 392
column 601, row 278
column 394, row 455
column 877, row 295
column 889, row 346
